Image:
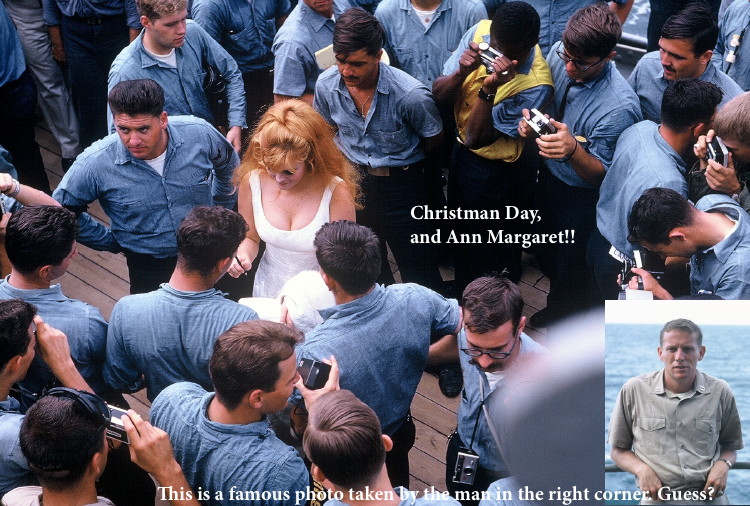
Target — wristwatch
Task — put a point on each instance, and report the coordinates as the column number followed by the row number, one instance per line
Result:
column 487, row 97
column 726, row 462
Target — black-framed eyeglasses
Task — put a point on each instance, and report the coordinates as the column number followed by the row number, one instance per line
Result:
column 496, row 354
column 93, row 405
column 579, row 65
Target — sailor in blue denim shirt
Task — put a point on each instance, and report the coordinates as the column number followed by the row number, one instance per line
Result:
column 733, row 27
column 145, row 207
column 420, row 48
column 680, row 58
column 309, row 28
column 715, row 235
column 184, row 50
column 15, row 471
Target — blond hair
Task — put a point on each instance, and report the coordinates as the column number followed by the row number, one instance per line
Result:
column 155, row 9
column 292, row 131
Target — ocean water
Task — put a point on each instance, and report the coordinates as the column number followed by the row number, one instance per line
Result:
column 631, row 350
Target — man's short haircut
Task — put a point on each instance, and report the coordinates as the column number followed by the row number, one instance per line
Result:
column 155, row 9
column 246, row 357
column 695, row 22
column 687, row 102
column 684, row 325
column 15, row 317
column 515, row 27
column 732, row 122
column 592, row 31
column 491, row 301
column 58, row 438
column 343, row 438
column 207, row 235
column 136, row 97
column 40, row 235
column 357, row 29
column 656, row 213
column 350, row 254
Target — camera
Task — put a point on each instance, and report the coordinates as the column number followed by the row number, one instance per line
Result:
column 314, row 374
column 641, row 262
column 539, row 123
column 717, row 150
column 2, row 207
column 466, row 466
column 488, row 55
column 116, row 430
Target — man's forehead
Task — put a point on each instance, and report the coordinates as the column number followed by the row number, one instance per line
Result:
column 137, row 120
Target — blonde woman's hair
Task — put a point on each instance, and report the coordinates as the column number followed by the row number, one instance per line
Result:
column 292, row 131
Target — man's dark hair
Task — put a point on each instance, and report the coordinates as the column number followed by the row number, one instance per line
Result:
column 344, row 440
column 592, row 31
column 139, row 96
column 246, row 357
column 357, row 29
column 207, row 235
column 695, row 22
column 40, row 235
column 656, row 213
column 15, row 317
column 684, row 325
column 687, row 102
column 491, row 302
column 515, row 28
column 350, row 254
column 58, row 438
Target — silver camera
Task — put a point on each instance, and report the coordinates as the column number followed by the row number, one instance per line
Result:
column 488, row 55
column 466, row 466
column 540, row 124
column 717, row 150
column 116, row 430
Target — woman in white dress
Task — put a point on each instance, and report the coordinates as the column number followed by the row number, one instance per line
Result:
column 292, row 180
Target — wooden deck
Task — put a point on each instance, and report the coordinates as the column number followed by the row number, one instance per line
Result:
column 101, row 279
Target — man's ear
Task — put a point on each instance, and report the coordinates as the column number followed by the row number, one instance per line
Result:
column 145, row 21
column 254, row 398
column 329, row 281
column 44, row 272
column 705, row 58
column 387, row 442
column 699, row 129
column 677, row 234
column 521, row 325
column 99, row 460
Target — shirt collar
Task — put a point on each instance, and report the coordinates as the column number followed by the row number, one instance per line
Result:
column 260, row 429
column 54, row 292
column 724, row 248
column 315, row 20
column 382, row 86
column 354, row 306
column 699, row 384
column 190, row 295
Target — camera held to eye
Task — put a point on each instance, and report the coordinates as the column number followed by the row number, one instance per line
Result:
column 488, row 55
column 466, row 466
column 717, row 150
column 540, row 123
column 116, row 430
column 626, row 274
column 314, row 374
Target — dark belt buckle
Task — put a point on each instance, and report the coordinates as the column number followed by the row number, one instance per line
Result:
column 91, row 21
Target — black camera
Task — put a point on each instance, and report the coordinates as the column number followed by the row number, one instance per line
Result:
column 2, row 206
column 466, row 466
column 488, row 55
column 116, row 430
column 642, row 261
column 539, row 123
column 314, row 374
column 717, row 150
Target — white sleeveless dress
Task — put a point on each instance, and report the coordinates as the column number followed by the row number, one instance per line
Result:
column 288, row 252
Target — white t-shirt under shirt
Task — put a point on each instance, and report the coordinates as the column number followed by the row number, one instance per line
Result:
column 425, row 16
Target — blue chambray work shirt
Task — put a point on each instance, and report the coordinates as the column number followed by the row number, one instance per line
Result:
column 54, row 10
column 419, row 51
column 724, row 269
column 84, row 325
column 597, row 110
column 183, row 86
column 215, row 457
column 381, row 342
column 14, row 62
column 168, row 336
column 735, row 19
column 642, row 160
column 470, row 411
column 401, row 113
column 244, row 28
column 145, row 208
column 508, row 112
column 14, row 471
column 649, row 83
column 409, row 499
column 304, row 32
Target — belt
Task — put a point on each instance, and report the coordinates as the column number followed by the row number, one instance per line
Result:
column 386, row 171
column 93, row 20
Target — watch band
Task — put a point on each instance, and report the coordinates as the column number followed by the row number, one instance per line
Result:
column 487, row 97
column 726, row 462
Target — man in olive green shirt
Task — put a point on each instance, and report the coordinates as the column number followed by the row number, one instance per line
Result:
column 677, row 430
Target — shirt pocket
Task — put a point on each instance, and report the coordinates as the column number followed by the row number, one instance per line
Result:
column 406, row 57
column 705, row 436
column 393, row 142
column 649, row 435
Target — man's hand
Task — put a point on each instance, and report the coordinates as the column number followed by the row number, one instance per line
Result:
column 470, row 60
column 649, row 283
column 505, row 71
column 53, row 345
column 332, row 384
column 648, row 481
column 719, row 178
column 234, row 136
column 560, row 144
column 150, row 448
column 524, row 130
column 717, row 479
column 58, row 49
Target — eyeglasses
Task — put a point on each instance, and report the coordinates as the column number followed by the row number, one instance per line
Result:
column 93, row 405
column 498, row 355
column 579, row 65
